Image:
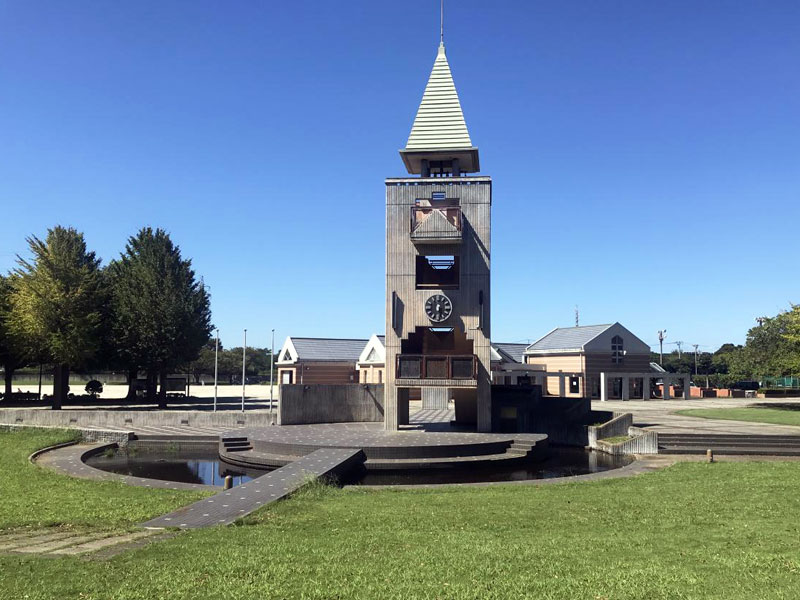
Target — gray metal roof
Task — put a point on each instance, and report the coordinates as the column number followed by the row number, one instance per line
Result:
column 513, row 351
column 567, row 338
column 328, row 349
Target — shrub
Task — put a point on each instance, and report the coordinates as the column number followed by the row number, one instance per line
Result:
column 94, row 387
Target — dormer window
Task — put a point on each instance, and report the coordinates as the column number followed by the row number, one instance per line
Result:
column 617, row 350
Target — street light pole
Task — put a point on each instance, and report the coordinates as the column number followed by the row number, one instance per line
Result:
column 661, row 335
column 244, row 358
column 216, row 368
column 695, row 359
column 271, row 373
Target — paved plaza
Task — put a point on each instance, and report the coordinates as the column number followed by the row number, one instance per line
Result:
column 659, row 415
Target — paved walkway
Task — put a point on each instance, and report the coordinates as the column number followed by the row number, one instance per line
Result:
column 658, row 415
column 224, row 508
column 71, row 542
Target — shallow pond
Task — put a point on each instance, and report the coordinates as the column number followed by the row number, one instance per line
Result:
column 202, row 465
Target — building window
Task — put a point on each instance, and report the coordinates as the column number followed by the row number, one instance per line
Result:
column 437, row 272
column 574, row 385
column 617, row 351
column 380, row 376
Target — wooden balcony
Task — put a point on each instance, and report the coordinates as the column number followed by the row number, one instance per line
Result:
column 429, row 367
column 432, row 225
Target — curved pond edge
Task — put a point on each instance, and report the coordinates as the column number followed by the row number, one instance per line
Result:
column 69, row 458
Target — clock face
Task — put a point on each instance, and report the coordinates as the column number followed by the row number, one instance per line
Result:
column 438, row 308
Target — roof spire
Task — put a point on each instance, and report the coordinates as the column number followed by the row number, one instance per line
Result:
column 439, row 133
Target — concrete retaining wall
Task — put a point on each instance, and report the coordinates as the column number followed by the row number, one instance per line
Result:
column 616, row 426
column 642, row 441
column 345, row 403
column 435, row 398
column 87, row 435
column 129, row 419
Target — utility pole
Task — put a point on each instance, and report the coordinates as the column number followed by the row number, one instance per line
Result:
column 679, row 345
column 695, row 358
column 244, row 358
column 271, row 374
column 662, row 333
column 577, row 317
column 216, row 368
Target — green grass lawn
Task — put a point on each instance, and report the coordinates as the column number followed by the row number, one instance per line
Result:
column 695, row 530
column 34, row 496
column 776, row 416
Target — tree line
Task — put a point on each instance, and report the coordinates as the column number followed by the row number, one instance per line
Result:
column 229, row 364
column 145, row 311
column 771, row 349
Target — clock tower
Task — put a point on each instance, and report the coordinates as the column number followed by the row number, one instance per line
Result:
column 438, row 248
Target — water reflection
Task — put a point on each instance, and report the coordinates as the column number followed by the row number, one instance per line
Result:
column 183, row 466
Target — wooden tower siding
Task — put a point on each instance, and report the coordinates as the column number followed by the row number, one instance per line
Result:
column 474, row 194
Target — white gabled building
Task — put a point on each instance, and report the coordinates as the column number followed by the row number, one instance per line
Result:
column 371, row 365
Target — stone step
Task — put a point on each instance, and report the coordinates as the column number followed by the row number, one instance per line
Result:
column 445, row 461
column 522, row 446
column 731, row 450
column 733, row 442
column 390, row 452
column 729, row 436
column 182, row 438
column 255, row 459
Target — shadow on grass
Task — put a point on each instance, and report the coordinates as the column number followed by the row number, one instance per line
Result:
column 789, row 406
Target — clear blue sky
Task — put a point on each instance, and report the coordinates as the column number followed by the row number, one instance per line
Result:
column 645, row 156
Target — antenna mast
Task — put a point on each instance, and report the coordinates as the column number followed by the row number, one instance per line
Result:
column 441, row 22
column 577, row 317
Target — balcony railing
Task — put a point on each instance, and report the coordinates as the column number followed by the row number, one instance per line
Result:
column 429, row 366
column 436, row 224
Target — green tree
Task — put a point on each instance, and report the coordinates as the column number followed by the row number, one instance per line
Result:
column 12, row 354
column 204, row 364
column 56, row 304
column 769, row 350
column 792, row 327
column 161, row 315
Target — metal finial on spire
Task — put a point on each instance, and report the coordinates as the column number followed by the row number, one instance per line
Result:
column 441, row 22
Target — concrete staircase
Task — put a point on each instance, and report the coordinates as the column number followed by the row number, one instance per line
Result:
column 768, row 445
column 239, row 451
column 235, row 444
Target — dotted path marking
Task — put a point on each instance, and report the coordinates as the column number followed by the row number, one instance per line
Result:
column 224, row 508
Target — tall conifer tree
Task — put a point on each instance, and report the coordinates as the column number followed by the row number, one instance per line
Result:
column 161, row 315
